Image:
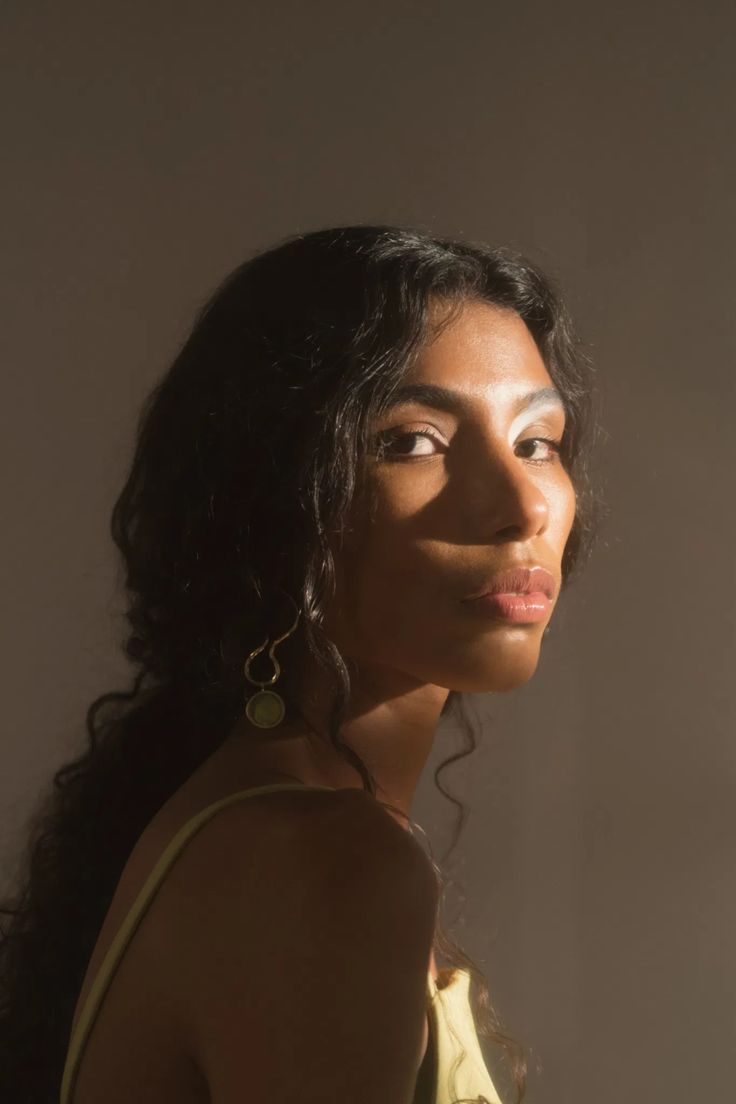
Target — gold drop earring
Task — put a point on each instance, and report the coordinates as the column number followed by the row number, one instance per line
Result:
column 266, row 708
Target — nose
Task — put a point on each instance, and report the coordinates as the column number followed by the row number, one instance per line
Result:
column 508, row 498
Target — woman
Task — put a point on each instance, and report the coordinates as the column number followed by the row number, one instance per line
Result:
column 366, row 428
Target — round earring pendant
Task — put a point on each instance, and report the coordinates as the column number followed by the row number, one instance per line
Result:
column 265, row 709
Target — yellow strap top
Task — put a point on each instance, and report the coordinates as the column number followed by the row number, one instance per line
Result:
column 450, row 1015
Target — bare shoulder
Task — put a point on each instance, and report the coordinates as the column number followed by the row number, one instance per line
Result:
column 305, row 938
column 308, row 829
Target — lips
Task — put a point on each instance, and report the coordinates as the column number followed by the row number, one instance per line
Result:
column 517, row 580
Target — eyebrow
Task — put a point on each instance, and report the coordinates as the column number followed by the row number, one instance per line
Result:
column 454, row 402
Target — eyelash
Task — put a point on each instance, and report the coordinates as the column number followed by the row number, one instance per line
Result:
column 394, row 437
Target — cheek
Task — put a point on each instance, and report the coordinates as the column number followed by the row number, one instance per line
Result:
column 380, row 583
column 561, row 504
column 383, row 564
column 568, row 506
column 402, row 491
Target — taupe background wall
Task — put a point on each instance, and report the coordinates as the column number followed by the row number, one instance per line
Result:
column 149, row 147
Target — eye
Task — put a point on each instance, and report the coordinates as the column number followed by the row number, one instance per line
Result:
column 388, row 441
column 553, row 445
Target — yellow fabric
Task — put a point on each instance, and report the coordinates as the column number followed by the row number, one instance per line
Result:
column 450, row 1014
column 451, row 1018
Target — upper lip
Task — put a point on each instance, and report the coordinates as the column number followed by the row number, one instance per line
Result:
column 517, row 579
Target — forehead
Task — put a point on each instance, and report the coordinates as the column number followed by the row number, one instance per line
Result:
column 481, row 344
column 482, row 358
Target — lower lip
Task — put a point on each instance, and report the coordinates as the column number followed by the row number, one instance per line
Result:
column 513, row 607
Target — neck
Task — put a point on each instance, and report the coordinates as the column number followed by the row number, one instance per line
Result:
column 390, row 725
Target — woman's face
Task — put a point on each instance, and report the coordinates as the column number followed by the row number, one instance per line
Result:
column 470, row 491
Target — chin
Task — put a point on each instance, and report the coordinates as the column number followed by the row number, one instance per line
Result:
column 494, row 680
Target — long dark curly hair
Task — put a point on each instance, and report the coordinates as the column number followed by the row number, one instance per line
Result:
column 248, row 455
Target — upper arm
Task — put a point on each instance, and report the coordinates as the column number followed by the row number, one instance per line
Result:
column 316, row 988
